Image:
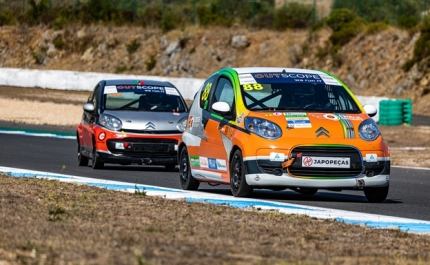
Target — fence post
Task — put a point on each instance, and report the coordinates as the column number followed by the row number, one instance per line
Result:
column 194, row 12
column 314, row 15
column 399, row 11
column 163, row 10
column 425, row 8
column 379, row 10
column 254, row 11
column 134, row 10
column 23, row 6
column 358, row 7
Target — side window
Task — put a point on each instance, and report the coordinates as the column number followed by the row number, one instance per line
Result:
column 224, row 92
column 206, row 90
column 95, row 96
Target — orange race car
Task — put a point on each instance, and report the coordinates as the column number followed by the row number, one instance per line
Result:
column 279, row 128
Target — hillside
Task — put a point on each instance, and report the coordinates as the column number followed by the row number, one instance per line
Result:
column 369, row 64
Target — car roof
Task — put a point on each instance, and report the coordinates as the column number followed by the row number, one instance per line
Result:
column 247, row 70
column 146, row 82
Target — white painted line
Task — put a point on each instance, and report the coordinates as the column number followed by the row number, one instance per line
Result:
column 371, row 220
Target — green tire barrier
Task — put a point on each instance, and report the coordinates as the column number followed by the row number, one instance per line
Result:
column 395, row 112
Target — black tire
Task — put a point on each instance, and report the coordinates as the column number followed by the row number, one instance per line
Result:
column 238, row 185
column 95, row 161
column 376, row 195
column 188, row 182
column 306, row 191
column 82, row 160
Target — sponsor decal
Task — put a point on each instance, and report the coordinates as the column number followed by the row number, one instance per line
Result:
column 330, row 162
column 221, row 164
column 110, row 89
column 171, row 91
column 119, row 146
column 212, row 163
column 194, row 161
column 329, row 80
column 257, row 178
column 240, row 118
column 246, row 79
column 277, row 157
column 190, row 122
column 203, row 162
column 334, row 117
column 152, row 89
column 295, row 78
column 297, row 120
column 268, row 114
column 371, row 158
column 277, row 114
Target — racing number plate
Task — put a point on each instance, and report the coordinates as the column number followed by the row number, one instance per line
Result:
column 330, row 162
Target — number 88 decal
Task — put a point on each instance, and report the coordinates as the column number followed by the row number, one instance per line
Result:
column 250, row 87
column 205, row 93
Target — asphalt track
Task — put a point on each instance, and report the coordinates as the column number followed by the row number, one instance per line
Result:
column 407, row 197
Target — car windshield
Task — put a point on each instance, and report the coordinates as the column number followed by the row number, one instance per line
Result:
column 298, row 96
column 157, row 99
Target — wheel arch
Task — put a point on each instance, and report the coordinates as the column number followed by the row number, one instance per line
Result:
column 180, row 147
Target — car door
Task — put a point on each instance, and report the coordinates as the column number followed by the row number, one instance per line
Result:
column 89, row 119
column 214, row 150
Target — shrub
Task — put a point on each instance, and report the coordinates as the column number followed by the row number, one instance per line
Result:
column 59, row 43
column 408, row 22
column 150, row 63
column 96, row 10
column 375, row 27
column 293, row 15
column 133, row 46
column 211, row 15
column 6, row 17
column 38, row 12
column 345, row 24
column 170, row 21
column 338, row 18
column 121, row 69
column 150, row 16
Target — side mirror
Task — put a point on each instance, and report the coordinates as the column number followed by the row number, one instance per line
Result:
column 221, row 108
column 370, row 110
column 89, row 107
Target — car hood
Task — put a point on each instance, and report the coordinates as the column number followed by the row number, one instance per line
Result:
column 316, row 124
column 144, row 120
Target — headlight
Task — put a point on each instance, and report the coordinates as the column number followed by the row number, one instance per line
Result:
column 110, row 122
column 182, row 124
column 263, row 128
column 368, row 130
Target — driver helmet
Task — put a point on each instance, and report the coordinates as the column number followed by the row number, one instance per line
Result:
column 305, row 96
column 154, row 98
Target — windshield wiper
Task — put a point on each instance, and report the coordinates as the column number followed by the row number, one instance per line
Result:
column 279, row 108
column 126, row 108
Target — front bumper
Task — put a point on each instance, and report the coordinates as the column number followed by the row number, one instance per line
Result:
column 155, row 150
column 107, row 157
column 372, row 174
column 287, row 181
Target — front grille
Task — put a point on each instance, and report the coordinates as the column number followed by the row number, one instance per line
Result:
column 153, row 131
column 144, row 147
column 355, row 161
